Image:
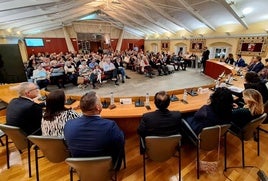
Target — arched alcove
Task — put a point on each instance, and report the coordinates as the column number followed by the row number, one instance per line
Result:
column 154, row 47
column 220, row 50
column 180, row 47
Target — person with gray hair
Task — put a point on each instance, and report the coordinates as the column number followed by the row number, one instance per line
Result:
column 23, row 112
column 90, row 135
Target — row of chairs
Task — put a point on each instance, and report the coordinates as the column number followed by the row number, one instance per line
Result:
column 156, row 148
column 55, row 150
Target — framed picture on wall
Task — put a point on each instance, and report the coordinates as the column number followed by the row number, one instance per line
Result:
column 197, row 45
column 165, row 45
column 252, row 46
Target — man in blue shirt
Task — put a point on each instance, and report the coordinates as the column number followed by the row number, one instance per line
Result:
column 240, row 61
column 91, row 136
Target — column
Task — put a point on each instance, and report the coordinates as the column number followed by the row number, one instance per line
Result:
column 120, row 40
column 68, row 40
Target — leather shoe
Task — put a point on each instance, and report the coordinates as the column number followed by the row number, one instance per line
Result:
column 127, row 77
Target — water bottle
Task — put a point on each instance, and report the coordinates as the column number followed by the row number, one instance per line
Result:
column 112, row 98
column 147, row 99
column 185, row 95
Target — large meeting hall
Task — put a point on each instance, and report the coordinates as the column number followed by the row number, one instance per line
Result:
column 189, row 49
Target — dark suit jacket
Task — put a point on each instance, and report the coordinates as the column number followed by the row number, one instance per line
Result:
column 261, row 87
column 240, row 62
column 206, row 117
column 24, row 113
column 240, row 117
column 90, row 136
column 256, row 67
column 160, row 123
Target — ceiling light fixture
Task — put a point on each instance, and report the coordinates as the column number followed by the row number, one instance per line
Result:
column 247, row 10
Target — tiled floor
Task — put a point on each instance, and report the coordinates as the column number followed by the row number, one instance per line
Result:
column 139, row 84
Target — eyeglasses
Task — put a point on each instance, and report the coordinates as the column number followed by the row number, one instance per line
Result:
column 36, row 88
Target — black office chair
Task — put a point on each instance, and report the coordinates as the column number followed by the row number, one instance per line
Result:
column 261, row 128
column 53, row 148
column 245, row 134
column 207, row 140
column 19, row 138
column 160, row 149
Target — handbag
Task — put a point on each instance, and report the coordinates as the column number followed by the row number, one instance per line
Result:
column 80, row 80
column 211, row 166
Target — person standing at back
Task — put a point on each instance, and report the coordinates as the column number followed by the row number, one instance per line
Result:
column 91, row 136
column 161, row 122
column 23, row 112
column 205, row 57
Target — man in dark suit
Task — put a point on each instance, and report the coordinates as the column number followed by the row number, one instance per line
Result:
column 161, row 122
column 257, row 65
column 205, row 57
column 91, row 136
column 23, row 112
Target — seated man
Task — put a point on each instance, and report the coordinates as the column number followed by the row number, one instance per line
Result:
column 91, row 136
column 40, row 77
column 109, row 70
column 161, row 122
column 23, row 112
column 120, row 69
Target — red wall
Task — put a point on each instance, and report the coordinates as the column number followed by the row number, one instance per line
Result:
column 57, row 45
column 125, row 43
column 52, row 45
column 137, row 42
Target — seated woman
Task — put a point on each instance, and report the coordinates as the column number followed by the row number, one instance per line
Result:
column 217, row 112
column 56, row 114
column 252, row 109
column 253, row 81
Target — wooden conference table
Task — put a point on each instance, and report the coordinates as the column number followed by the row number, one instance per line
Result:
column 128, row 116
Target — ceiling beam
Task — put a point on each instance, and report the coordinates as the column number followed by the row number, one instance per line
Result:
column 195, row 14
column 165, row 15
column 231, row 9
column 17, row 4
column 135, row 20
column 142, row 14
column 126, row 23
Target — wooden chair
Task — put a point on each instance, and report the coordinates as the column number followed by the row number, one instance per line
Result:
column 92, row 168
column 19, row 138
column 245, row 134
column 2, row 134
column 53, row 148
column 207, row 140
column 161, row 149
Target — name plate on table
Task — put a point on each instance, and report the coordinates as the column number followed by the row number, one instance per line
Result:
column 126, row 101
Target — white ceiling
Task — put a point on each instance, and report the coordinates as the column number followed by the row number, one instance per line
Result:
column 139, row 17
